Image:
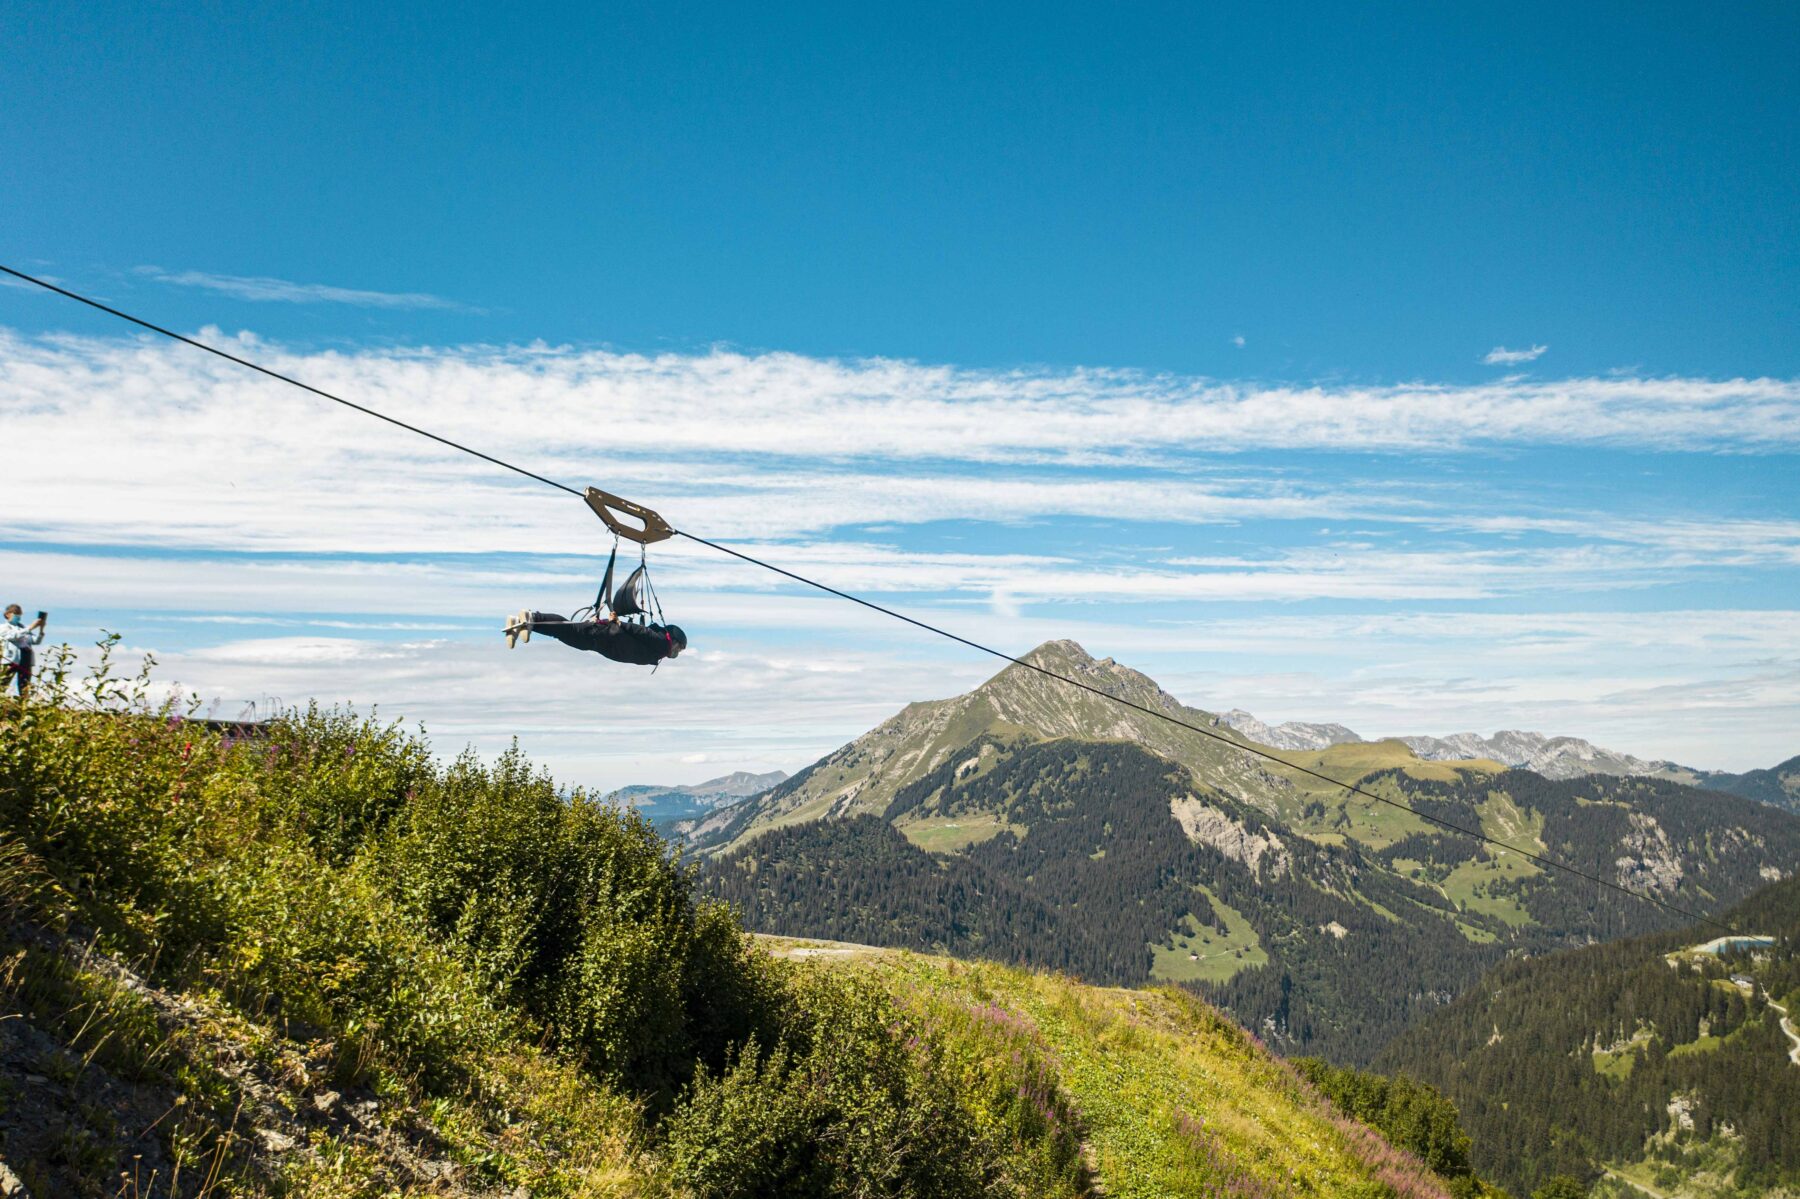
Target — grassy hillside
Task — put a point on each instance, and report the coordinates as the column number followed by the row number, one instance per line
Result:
column 1174, row 1099
column 314, row 961
column 1656, row 1060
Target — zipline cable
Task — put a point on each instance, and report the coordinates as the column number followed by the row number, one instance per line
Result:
column 1353, row 788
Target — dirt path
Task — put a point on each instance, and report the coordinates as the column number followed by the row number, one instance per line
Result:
column 1787, row 1026
column 801, row 948
column 1646, row 1188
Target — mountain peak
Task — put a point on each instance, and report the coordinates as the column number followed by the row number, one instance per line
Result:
column 1020, row 702
column 1058, row 652
column 1026, row 697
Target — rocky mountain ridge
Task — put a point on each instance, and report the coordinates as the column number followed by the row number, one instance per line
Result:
column 664, row 806
column 739, row 784
column 1553, row 757
column 1293, row 734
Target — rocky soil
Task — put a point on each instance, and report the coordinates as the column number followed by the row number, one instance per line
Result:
column 112, row 1086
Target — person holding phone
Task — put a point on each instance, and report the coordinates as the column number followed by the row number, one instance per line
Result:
column 17, row 642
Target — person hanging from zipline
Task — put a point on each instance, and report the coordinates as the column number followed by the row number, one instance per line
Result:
column 605, row 627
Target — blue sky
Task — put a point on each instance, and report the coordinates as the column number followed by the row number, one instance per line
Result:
column 1425, row 369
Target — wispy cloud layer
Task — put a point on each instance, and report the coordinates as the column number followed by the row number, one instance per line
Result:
column 579, row 404
column 1397, row 560
column 769, row 445
column 1501, row 356
column 262, row 289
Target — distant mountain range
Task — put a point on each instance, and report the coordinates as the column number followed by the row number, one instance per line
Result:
column 1778, row 785
column 1031, row 821
column 1552, row 757
column 1295, row 734
column 663, row 805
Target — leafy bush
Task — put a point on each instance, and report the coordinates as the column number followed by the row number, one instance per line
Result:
column 1412, row 1115
column 1561, row 1186
column 860, row 1101
column 571, row 912
column 327, row 868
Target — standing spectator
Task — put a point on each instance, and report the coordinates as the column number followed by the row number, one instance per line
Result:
column 16, row 641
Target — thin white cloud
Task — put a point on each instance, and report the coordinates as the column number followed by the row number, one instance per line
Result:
column 193, row 463
column 263, row 289
column 1238, row 341
column 413, row 592
column 572, row 407
column 719, row 704
column 1501, row 356
column 138, row 442
column 1687, row 542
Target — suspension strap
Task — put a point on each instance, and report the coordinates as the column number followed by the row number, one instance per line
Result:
column 603, row 599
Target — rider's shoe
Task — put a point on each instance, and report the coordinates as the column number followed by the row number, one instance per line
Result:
column 518, row 628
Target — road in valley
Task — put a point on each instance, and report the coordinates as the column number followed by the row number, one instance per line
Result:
column 1787, row 1026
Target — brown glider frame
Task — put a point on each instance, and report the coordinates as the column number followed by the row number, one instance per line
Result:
column 609, row 507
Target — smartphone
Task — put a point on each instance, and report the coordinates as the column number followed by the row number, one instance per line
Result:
column 43, row 616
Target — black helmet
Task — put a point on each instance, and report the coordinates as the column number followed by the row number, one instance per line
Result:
column 677, row 639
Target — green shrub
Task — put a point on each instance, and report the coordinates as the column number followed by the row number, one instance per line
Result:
column 1411, row 1115
column 855, row 1103
column 328, row 869
column 573, row 913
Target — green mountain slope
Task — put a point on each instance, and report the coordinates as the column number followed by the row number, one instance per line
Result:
column 1015, row 705
column 1778, row 785
column 1327, row 920
column 307, row 959
column 1642, row 1058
